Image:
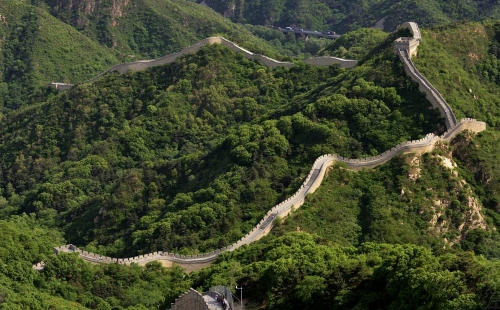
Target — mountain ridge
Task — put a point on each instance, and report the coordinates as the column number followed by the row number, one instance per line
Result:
column 268, row 61
column 318, row 171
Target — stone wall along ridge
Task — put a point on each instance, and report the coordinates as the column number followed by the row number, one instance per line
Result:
column 435, row 98
column 267, row 61
column 313, row 179
column 432, row 94
column 310, row 184
column 329, row 60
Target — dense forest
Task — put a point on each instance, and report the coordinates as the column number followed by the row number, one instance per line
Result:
column 295, row 271
column 189, row 156
column 179, row 158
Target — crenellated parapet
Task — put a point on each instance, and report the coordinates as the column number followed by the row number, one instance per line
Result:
column 409, row 43
column 406, row 43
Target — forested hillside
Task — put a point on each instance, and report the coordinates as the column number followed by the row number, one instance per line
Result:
column 189, row 156
column 345, row 15
column 43, row 42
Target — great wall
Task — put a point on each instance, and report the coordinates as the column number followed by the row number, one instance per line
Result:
column 270, row 62
column 405, row 48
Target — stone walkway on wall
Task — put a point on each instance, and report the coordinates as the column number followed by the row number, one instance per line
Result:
column 212, row 303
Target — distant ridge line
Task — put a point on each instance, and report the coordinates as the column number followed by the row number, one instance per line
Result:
column 313, row 180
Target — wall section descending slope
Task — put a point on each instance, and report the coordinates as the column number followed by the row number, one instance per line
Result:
column 431, row 93
column 313, row 180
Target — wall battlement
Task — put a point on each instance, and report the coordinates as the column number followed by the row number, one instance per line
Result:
column 409, row 44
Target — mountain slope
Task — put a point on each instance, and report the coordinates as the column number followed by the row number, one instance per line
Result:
column 461, row 61
column 187, row 157
column 200, row 148
column 150, row 28
column 38, row 48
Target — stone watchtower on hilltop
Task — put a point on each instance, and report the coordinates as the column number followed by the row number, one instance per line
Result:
column 408, row 43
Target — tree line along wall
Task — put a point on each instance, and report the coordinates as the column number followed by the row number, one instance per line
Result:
column 310, row 184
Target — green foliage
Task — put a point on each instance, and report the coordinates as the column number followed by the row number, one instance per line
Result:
column 355, row 44
column 454, row 71
column 295, row 272
column 290, row 44
column 71, row 43
column 69, row 277
column 387, row 205
column 67, row 282
column 151, row 28
column 467, row 77
column 17, row 67
column 188, row 157
column 24, row 243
